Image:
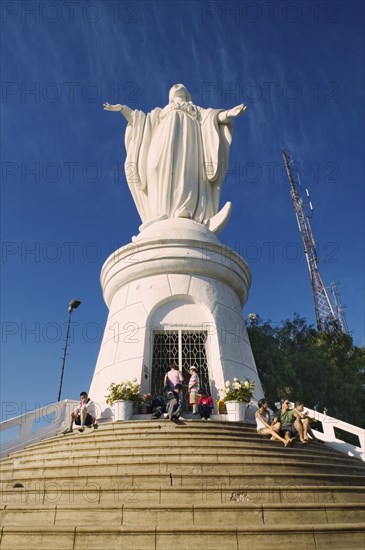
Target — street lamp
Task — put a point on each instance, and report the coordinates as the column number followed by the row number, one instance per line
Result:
column 252, row 318
column 74, row 304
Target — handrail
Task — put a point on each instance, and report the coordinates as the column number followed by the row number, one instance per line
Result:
column 27, row 435
column 329, row 437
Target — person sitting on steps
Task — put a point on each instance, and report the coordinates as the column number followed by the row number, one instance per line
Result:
column 263, row 422
column 303, row 417
column 83, row 415
column 205, row 405
column 287, row 422
column 158, row 407
column 174, row 402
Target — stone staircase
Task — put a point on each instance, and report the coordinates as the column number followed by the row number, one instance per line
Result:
column 190, row 484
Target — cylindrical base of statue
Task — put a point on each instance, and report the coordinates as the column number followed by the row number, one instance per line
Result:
column 174, row 294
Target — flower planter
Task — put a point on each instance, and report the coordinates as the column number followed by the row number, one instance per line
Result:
column 236, row 411
column 122, row 410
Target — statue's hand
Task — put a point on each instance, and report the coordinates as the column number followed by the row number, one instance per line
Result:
column 108, row 107
column 236, row 111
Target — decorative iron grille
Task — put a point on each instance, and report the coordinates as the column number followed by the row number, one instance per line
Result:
column 187, row 348
column 165, row 351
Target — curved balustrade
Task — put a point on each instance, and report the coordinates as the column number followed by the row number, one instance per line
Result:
column 47, row 421
column 34, row 426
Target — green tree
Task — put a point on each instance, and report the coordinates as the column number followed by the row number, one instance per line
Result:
column 324, row 369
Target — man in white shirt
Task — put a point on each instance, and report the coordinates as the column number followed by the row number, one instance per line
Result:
column 83, row 415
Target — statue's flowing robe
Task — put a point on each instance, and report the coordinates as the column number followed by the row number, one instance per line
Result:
column 176, row 160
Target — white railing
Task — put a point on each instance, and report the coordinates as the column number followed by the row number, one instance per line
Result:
column 329, row 436
column 47, row 421
column 34, row 426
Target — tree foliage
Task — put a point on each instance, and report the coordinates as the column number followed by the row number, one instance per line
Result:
column 323, row 369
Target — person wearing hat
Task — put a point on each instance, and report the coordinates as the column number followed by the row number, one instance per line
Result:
column 193, row 387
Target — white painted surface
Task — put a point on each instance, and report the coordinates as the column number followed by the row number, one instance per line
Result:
column 177, row 158
column 176, row 274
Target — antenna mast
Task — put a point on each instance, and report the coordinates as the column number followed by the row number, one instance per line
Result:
column 339, row 308
column 325, row 315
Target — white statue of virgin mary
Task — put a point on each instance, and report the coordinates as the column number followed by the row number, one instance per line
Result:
column 177, row 157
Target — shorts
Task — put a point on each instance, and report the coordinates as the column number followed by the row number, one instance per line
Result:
column 88, row 420
column 261, row 430
column 193, row 398
column 287, row 428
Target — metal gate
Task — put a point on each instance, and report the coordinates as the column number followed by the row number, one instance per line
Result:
column 187, row 348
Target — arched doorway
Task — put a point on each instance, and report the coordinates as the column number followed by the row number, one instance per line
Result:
column 180, row 333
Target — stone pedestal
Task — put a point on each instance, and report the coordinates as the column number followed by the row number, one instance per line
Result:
column 174, row 274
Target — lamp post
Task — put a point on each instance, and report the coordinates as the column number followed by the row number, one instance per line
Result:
column 74, row 304
column 252, row 318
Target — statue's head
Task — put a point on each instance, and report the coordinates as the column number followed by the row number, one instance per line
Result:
column 179, row 90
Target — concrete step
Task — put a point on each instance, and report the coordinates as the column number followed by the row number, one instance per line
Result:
column 154, row 481
column 75, row 445
column 337, row 536
column 156, row 515
column 140, row 429
column 178, row 466
column 91, row 444
column 145, row 484
column 77, row 493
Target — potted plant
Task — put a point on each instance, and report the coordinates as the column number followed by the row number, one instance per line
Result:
column 121, row 398
column 236, row 395
column 145, row 406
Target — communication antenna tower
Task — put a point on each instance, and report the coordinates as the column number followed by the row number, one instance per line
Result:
column 339, row 308
column 325, row 315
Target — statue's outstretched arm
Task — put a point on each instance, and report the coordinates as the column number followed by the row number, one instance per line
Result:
column 225, row 116
column 126, row 111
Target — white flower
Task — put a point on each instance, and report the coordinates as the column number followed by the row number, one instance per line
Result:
column 227, row 384
column 235, row 380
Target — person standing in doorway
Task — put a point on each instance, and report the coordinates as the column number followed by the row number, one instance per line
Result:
column 172, row 377
column 193, row 388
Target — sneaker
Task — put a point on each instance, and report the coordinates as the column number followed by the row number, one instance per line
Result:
column 67, row 431
column 203, row 418
column 81, row 430
column 95, row 426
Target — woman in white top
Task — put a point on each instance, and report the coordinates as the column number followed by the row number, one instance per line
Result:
column 263, row 422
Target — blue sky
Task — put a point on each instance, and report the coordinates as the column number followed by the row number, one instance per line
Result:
column 298, row 66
